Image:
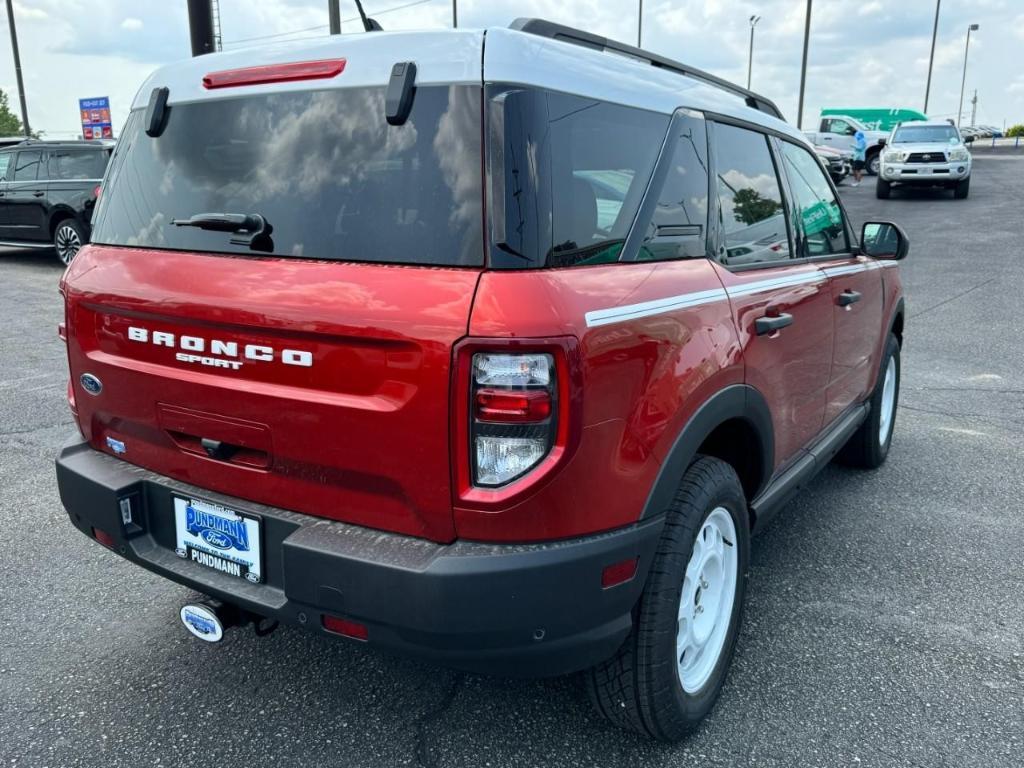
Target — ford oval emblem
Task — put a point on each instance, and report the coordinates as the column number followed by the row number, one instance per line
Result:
column 216, row 539
column 91, row 384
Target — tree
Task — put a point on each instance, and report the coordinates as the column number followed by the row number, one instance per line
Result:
column 1015, row 130
column 749, row 207
column 10, row 125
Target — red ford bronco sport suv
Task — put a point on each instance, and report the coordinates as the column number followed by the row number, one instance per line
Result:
column 487, row 347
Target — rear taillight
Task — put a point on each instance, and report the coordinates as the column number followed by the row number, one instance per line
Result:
column 513, row 420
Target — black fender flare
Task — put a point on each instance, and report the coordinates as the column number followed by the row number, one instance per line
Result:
column 898, row 311
column 737, row 401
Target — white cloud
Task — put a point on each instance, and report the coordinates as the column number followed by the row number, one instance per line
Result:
column 29, row 13
column 131, row 23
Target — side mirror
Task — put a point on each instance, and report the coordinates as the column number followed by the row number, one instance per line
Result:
column 884, row 240
column 882, row 142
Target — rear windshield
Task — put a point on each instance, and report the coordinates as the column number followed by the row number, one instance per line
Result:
column 567, row 176
column 323, row 168
column 925, row 134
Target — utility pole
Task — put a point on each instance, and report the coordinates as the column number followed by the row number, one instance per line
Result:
column 334, row 16
column 640, row 25
column 963, row 82
column 803, row 68
column 200, row 27
column 455, row 14
column 974, row 107
column 17, row 68
column 931, row 59
column 750, row 59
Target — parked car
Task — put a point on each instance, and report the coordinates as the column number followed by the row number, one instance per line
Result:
column 838, row 131
column 837, row 163
column 925, row 154
column 48, row 190
column 498, row 370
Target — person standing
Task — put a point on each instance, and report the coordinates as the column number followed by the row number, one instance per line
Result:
column 860, row 149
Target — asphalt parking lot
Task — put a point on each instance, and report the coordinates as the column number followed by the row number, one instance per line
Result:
column 885, row 617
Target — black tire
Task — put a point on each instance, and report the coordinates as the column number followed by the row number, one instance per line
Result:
column 962, row 188
column 68, row 237
column 866, row 448
column 640, row 688
column 873, row 164
column 883, row 189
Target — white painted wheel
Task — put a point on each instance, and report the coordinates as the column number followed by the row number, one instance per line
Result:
column 888, row 404
column 705, row 605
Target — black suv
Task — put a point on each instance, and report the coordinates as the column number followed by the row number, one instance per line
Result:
column 47, row 193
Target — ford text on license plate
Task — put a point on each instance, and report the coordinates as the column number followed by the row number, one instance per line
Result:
column 218, row 538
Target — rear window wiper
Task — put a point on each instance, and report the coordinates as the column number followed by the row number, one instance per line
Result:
column 253, row 230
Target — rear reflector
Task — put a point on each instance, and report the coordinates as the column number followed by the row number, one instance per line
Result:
column 347, row 628
column 619, row 573
column 513, row 406
column 103, row 538
column 275, row 73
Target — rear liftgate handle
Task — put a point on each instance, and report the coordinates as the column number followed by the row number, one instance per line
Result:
column 772, row 323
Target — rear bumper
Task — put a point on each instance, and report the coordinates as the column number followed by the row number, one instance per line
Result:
column 519, row 610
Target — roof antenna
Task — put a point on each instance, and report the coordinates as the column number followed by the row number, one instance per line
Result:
column 369, row 25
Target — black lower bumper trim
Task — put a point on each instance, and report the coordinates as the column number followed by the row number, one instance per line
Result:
column 521, row 610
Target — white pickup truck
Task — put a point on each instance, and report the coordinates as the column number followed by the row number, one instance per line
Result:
column 837, row 131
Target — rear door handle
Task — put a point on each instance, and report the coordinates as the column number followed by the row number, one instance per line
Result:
column 38, row 193
column 848, row 297
column 772, row 323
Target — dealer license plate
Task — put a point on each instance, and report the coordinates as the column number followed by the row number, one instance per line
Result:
column 218, row 538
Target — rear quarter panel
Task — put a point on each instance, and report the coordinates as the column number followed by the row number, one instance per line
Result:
column 641, row 380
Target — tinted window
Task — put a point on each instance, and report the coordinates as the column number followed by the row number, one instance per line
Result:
column 5, row 162
column 26, row 166
column 567, row 176
column 840, row 126
column 76, row 164
column 678, row 227
column 324, row 169
column 750, row 200
column 821, row 218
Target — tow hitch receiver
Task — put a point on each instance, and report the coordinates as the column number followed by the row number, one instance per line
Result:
column 201, row 620
column 209, row 619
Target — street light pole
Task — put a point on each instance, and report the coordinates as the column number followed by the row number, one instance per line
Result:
column 803, row 68
column 750, row 58
column 640, row 25
column 963, row 82
column 334, row 16
column 931, row 59
column 455, row 14
column 17, row 68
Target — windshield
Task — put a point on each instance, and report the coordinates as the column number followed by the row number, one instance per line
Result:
column 925, row 134
column 323, row 168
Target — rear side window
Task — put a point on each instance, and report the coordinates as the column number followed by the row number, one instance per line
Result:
column 567, row 175
column 5, row 165
column 678, row 227
column 753, row 218
column 26, row 166
column 821, row 218
column 76, row 164
column 323, row 168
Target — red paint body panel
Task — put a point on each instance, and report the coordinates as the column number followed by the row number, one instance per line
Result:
column 639, row 382
column 361, row 435
column 858, row 349
column 791, row 367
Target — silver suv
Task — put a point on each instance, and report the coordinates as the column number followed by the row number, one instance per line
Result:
column 928, row 153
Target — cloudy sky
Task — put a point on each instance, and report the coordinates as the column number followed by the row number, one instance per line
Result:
column 863, row 52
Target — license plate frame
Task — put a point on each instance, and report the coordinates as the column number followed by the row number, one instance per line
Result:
column 219, row 538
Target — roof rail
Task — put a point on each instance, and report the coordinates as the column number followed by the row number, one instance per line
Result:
column 566, row 34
